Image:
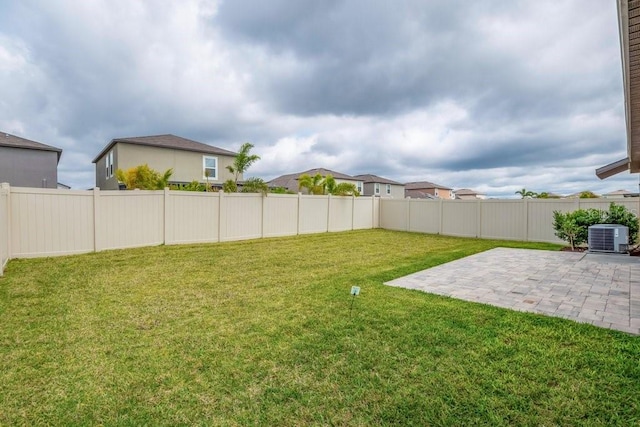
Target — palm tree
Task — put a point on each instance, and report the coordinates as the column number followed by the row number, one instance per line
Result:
column 242, row 161
column 526, row 193
column 314, row 184
column 142, row 177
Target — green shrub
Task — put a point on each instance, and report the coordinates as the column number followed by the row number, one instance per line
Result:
column 573, row 227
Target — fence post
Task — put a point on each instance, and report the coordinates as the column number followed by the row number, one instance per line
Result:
column 328, row 212
column 353, row 210
column 263, row 199
column 408, row 215
column 220, row 212
column 299, row 207
column 96, row 215
column 479, row 219
column 526, row 219
column 166, row 217
column 4, row 187
column 441, row 215
column 373, row 213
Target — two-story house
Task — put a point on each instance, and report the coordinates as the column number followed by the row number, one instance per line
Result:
column 26, row 163
column 374, row 185
column 190, row 160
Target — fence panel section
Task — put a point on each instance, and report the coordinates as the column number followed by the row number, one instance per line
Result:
column 503, row 219
column 340, row 213
column 460, row 218
column 424, row 215
column 127, row 219
column 394, row 214
column 364, row 212
column 314, row 212
column 191, row 217
column 46, row 222
column 241, row 216
column 280, row 215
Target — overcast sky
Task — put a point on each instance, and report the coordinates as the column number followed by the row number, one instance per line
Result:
column 492, row 95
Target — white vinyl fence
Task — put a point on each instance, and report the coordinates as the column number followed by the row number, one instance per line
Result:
column 526, row 220
column 46, row 222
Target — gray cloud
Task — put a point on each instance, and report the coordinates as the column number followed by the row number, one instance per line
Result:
column 489, row 94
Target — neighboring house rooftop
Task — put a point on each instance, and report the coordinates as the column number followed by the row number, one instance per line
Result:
column 419, row 185
column 369, row 178
column 167, row 141
column 467, row 192
column 291, row 180
column 618, row 193
column 8, row 140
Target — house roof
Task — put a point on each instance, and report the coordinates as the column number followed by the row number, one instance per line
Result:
column 166, row 141
column 618, row 192
column 419, row 194
column 420, row 185
column 291, row 180
column 467, row 192
column 369, row 178
column 8, row 140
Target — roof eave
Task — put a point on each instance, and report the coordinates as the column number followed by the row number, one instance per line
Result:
column 613, row 168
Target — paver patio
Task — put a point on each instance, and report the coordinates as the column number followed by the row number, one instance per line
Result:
column 600, row 289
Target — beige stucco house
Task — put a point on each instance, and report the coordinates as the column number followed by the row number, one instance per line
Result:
column 188, row 159
column 373, row 185
column 290, row 181
column 427, row 190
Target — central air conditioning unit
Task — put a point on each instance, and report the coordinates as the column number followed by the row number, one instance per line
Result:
column 611, row 238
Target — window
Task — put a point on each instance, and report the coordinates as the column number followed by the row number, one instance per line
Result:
column 210, row 167
column 359, row 187
column 388, row 188
column 376, row 187
column 108, row 160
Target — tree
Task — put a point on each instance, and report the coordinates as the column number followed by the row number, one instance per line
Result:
column 525, row 193
column 242, row 161
column 574, row 226
column 142, row 177
column 255, row 185
column 313, row 184
column 230, row 186
column 588, row 195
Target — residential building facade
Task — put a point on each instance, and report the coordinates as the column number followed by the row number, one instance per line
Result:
column 190, row 160
column 26, row 163
column 373, row 185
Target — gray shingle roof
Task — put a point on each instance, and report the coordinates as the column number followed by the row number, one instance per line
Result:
column 8, row 140
column 290, row 181
column 467, row 192
column 419, row 185
column 370, row 178
column 167, row 141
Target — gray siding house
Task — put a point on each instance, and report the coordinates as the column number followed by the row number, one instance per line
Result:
column 374, row 185
column 190, row 160
column 25, row 163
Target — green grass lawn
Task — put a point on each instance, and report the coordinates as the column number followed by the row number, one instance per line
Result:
column 260, row 333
